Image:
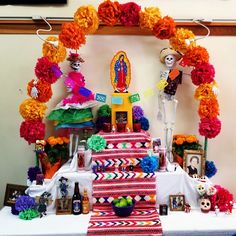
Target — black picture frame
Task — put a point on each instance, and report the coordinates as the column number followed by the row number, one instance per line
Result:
column 13, row 191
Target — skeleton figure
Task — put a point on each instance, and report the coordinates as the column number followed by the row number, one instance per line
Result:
column 43, row 203
column 75, row 61
column 169, row 81
column 205, row 205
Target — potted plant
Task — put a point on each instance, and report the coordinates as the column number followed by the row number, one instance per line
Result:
column 184, row 142
column 138, row 113
column 55, row 154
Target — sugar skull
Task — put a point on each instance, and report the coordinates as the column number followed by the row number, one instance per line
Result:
column 205, row 205
column 75, row 61
column 201, row 188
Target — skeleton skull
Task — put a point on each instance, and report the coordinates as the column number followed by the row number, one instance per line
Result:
column 201, row 189
column 170, row 61
column 75, row 65
column 205, row 205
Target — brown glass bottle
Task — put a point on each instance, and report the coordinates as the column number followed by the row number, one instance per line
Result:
column 85, row 203
column 76, row 201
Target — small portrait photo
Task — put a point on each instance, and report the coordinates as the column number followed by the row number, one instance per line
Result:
column 177, row 202
column 64, row 206
column 156, row 144
column 121, row 117
column 194, row 162
column 13, row 191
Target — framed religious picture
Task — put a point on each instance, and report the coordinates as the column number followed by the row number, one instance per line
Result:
column 13, row 191
column 194, row 162
column 64, row 206
column 177, row 202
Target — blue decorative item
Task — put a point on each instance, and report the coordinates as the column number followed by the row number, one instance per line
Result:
column 100, row 97
column 149, row 164
column 24, row 203
column 84, row 91
column 117, row 100
column 144, row 123
column 123, row 211
column 32, row 173
column 210, row 169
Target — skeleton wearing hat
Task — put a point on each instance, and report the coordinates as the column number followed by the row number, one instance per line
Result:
column 75, row 61
column 169, row 81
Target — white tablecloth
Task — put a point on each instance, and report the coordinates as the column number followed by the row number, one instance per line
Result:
column 176, row 223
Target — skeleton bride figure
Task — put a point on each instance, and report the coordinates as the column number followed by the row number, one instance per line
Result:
column 169, row 81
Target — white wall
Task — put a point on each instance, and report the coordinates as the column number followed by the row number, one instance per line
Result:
column 19, row 54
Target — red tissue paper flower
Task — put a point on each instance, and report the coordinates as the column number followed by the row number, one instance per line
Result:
column 202, row 74
column 194, row 56
column 44, row 90
column 223, row 199
column 210, row 127
column 72, row 36
column 44, row 70
column 109, row 12
column 130, row 14
column 164, row 28
column 32, row 130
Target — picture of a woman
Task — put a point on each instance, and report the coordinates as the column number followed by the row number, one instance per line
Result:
column 192, row 169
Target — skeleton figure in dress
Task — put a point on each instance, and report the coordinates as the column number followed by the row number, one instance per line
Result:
column 168, row 84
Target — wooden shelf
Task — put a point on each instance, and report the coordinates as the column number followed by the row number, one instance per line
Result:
column 30, row 27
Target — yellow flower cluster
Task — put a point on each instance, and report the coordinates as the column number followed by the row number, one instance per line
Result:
column 179, row 139
column 54, row 54
column 57, row 140
column 149, row 17
column 86, row 17
column 182, row 40
column 33, row 110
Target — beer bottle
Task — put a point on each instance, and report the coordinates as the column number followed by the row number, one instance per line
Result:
column 76, row 201
column 85, row 203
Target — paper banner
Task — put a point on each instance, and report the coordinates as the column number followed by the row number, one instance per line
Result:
column 100, row 97
column 134, row 98
column 148, row 92
column 117, row 100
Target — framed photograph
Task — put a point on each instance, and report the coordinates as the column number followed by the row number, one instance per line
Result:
column 194, row 162
column 13, row 191
column 177, row 202
column 156, row 144
column 63, row 206
column 121, row 117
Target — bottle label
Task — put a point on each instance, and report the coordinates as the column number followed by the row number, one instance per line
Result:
column 86, row 207
column 76, row 206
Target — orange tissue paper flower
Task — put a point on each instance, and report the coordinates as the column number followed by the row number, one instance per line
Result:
column 191, row 139
column 72, row 36
column 44, row 90
column 32, row 110
column 208, row 108
column 149, row 17
column 109, row 12
column 54, row 54
column 178, row 41
column 180, row 140
column 86, row 18
column 194, row 56
column 204, row 91
column 164, row 28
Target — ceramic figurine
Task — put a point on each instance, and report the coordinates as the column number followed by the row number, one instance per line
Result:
column 39, row 146
column 205, row 205
column 43, row 203
column 187, row 208
column 63, row 185
column 217, row 210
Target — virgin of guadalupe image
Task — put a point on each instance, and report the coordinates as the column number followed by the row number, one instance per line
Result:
column 120, row 72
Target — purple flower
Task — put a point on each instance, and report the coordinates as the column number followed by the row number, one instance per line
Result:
column 137, row 113
column 24, row 203
column 32, row 173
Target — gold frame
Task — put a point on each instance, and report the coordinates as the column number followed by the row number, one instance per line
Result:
column 171, row 202
column 198, row 153
column 10, row 188
column 65, row 211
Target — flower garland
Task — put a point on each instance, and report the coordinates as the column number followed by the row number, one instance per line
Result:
column 86, row 20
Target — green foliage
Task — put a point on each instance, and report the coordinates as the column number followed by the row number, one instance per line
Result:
column 179, row 149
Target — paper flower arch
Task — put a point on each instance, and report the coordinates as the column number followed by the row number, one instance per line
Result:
column 86, row 20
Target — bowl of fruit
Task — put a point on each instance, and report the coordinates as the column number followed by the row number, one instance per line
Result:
column 123, row 206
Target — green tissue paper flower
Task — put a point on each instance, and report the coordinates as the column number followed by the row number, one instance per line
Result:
column 97, row 143
column 28, row 214
column 104, row 110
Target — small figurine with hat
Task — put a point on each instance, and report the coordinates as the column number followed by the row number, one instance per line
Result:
column 75, row 61
column 169, row 81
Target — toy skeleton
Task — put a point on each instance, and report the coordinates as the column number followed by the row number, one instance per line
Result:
column 169, row 81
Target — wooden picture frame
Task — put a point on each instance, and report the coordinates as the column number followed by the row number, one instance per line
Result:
column 64, row 206
column 177, row 202
column 194, row 162
column 13, row 191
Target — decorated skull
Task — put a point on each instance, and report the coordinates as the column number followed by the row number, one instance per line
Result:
column 201, row 188
column 211, row 191
column 205, row 205
column 75, row 65
column 170, row 61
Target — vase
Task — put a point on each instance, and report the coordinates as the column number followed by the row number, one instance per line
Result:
column 121, row 127
column 178, row 159
column 106, row 127
column 48, row 169
column 136, row 127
